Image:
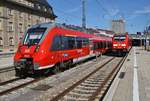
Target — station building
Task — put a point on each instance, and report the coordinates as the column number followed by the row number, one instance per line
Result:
column 18, row 15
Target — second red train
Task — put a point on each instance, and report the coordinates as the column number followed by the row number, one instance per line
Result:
column 121, row 43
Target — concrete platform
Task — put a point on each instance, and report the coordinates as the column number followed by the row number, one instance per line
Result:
column 6, row 58
column 135, row 84
column 6, row 62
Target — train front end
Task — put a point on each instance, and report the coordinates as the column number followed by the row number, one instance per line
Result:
column 120, row 43
column 29, row 51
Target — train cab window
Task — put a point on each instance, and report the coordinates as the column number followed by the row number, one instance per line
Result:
column 56, row 44
column 119, row 37
column 79, row 42
column 33, row 36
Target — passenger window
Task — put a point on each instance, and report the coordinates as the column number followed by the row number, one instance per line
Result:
column 99, row 44
column 104, row 44
column 95, row 45
column 79, row 42
column 56, row 44
column 68, row 42
column 91, row 45
column 71, row 42
column 85, row 42
column 64, row 43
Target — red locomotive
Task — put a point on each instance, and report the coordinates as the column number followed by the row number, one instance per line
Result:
column 121, row 43
column 50, row 46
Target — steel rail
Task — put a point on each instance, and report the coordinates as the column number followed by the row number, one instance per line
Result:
column 9, row 81
column 115, row 76
column 7, row 69
column 20, row 86
column 59, row 96
column 98, row 91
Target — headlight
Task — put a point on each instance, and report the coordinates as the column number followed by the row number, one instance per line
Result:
column 123, row 45
column 115, row 45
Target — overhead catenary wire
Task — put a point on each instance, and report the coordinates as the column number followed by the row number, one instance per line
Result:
column 102, row 7
column 66, row 14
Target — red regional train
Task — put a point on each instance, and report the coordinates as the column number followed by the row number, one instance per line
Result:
column 121, row 43
column 50, row 46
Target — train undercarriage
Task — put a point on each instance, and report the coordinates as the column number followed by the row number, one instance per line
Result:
column 25, row 68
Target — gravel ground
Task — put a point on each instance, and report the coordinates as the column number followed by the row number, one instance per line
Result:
column 6, row 61
column 30, row 92
column 54, row 84
column 7, row 76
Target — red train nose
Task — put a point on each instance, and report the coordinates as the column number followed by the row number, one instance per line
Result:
column 27, row 52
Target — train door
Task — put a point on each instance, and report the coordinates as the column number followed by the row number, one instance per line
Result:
column 91, row 47
column 56, row 49
column 85, row 46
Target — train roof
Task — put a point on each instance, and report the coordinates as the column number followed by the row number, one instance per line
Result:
column 85, row 32
column 52, row 24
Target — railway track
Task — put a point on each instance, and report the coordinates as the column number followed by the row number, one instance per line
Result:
column 78, row 92
column 7, row 54
column 94, row 85
column 7, row 69
column 15, row 84
column 9, row 81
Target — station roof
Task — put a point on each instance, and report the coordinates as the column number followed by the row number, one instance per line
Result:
column 43, row 3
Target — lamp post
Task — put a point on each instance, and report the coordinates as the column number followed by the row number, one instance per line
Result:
column 146, row 33
column 83, row 15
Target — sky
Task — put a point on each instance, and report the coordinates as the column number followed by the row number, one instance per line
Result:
column 99, row 13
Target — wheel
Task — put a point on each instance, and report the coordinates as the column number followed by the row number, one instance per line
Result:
column 20, row 73
column 56, row 69
column 69, row 65
column 47, row 72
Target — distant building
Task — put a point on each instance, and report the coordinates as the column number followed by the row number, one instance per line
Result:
column 118, row 26
column 17, row 15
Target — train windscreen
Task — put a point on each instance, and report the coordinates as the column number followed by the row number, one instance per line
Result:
column 120, row 38
column 33, row 36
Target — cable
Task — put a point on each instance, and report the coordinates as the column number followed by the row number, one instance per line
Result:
column 69, row 2
column 67, row 13
column 74, row 16
column 103, row 8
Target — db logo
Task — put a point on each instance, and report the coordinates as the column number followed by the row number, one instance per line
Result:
column 27, row 50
